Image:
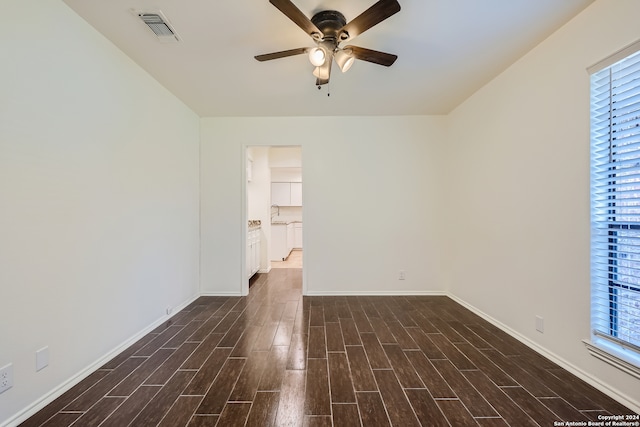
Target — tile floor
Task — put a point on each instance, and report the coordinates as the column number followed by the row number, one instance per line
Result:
column 294, row 260
column 277, row 358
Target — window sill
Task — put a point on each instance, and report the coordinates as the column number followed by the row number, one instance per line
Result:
column 615, row 355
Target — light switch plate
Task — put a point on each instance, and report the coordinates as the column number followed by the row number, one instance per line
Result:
column 42, row 358
column 540, row 324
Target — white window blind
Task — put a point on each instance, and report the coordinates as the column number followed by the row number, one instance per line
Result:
column 615, row 203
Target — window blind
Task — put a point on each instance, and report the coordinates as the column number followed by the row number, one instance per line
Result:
column 615, row 202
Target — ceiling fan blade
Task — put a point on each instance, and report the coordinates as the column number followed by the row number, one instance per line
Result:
column 282, row 54
column 380, row 58
column 299, row 18
column 370, row 17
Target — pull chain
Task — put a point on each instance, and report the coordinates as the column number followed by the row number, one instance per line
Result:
column 328, row 89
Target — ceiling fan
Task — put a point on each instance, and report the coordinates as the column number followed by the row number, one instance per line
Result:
column 329, row 28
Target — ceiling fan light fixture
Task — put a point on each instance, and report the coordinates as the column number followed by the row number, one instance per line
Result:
column 344, row 58
column 321, row 73
column 317, row 56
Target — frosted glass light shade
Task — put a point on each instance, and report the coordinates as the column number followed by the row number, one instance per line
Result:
column 321, row 73
column 317, row 56
column 344, row 59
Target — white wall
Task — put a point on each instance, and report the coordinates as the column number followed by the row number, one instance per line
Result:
column 98, row 198
column 285, row 157
column 519, row 199
column 286, row 174
column 371, row 200
column 259, row 200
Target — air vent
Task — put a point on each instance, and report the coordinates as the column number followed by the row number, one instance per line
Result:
column 160, row 27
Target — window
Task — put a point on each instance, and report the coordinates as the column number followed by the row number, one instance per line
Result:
column 615, row 206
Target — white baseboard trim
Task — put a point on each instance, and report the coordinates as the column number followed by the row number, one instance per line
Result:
column 43, row 401
column 376, row 293
column 264, row 270
column 605, row 388
column 221, row 294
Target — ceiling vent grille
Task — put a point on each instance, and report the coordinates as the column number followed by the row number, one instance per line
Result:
column 160, row 26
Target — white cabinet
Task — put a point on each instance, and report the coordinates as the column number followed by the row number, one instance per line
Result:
column 283, row 240
column 281, row 193
column 280, row 248
column 296, row 194
column 286, row 193
column 297, row 241
column 253, row 251
column 290, row 237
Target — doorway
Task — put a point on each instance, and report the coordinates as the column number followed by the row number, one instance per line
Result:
column 274, row 200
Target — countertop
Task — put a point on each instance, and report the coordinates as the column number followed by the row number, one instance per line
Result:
column 285, row 222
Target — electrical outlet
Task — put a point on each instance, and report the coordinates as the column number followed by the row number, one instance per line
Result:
column 169, row 309
column 6, row 378
column 401, row 275
column 540, row 324
column 42, row 358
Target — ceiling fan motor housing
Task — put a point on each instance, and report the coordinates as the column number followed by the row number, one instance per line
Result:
column 330, row 22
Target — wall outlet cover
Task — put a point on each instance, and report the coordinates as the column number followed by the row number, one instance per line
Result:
column 6, row 377
column 539, row 324
column 42, row 358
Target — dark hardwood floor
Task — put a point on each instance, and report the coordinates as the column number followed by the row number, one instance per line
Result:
column 276, row 358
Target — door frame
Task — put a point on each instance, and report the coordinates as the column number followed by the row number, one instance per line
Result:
column 244, row 282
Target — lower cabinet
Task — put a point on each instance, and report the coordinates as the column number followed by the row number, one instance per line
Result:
column 285, row 238
column 291, row 237
column 297, row 241
column 253, row 251
column 282, row 241
column 278, row 250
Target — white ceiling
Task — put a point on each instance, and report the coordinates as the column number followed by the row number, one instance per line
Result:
column 447, row 49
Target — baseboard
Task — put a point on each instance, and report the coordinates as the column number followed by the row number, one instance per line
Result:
column 221, row 294
column 39, row 404
column 377, row 293
column 578, row 372
column 264, row 270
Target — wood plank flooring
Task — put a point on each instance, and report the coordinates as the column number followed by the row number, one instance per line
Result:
column 276, row 358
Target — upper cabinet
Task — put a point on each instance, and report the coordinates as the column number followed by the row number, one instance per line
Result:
column 296, row 194
column 281, row 193
column 286, row 193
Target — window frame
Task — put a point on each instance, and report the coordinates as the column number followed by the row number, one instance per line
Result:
column 608, row 346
